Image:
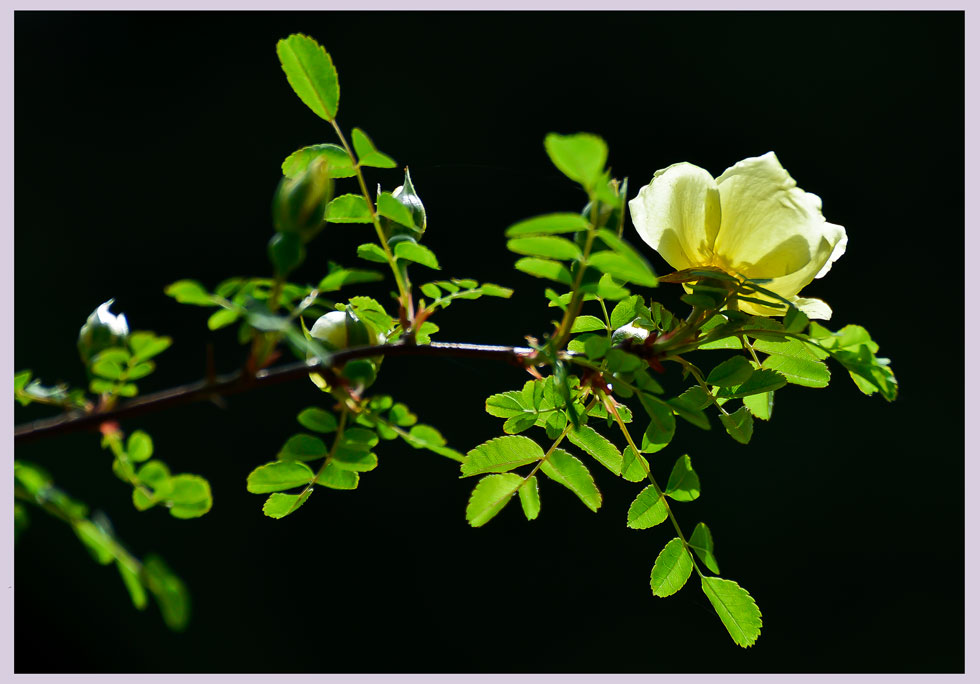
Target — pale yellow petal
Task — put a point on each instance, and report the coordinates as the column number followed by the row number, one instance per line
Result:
column 678, row 214
column 815, row 309
column 769, row 227
column 830, row 247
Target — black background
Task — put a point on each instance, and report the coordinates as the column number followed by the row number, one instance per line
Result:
column 147, row 149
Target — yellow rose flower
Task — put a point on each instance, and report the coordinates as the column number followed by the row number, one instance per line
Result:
column 751, row 221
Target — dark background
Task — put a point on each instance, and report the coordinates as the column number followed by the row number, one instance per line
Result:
column 147, row 149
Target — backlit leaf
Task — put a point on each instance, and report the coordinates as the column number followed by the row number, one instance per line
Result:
column 545, row 268
column 567, row 470
column 580, row 156
column 545, row 246
column 348, row 209
column 490, row 496
column 736, row 608
column 412, row 251
column 368, row 154
column 647, row 510
column 547, row 224
column 704, row 546
column 500, row 455
column 338, row 163
column 683, row 483
column 530, row 498
column 280, row 505
column 671, row 569
column 277, row 476
column 311, row 73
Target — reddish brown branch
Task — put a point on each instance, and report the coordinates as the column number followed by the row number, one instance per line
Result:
column 233, row 383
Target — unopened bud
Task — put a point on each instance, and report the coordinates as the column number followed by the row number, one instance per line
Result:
column 406, row 194
column 629, row 333
column 102, row 330
column 300, row 202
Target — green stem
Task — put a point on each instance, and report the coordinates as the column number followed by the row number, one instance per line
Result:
column 575, row 305
column 404, row 295
column 614, row 412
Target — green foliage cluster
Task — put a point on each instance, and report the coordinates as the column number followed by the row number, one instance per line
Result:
column 609, row 380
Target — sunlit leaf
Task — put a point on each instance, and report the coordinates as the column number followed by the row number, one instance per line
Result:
column 683, row 483
column 489, row 497
column 567, row 470
column 647, row 510
column 530, row 498
column 311, row 73
column 500, row 455
column 736, row 608
column 671, row 569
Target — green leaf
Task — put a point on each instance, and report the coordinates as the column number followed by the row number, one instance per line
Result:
column 505, row 405
column 338, row 163
column 609, row 289
column 131, row 579
column 530, row 498
column 733, row 371
column 277, row 476
column 661, row 428
column 500, row 455
column 738, row 425
column 348, row 209
column 761, row 380
column 338, row 478
column 795, row 320
column 545, row 246
column 156, row 475
column 545, row 268
column 704, row 546
column 222, row 318
column 107, row 368
column 647, row 510
column 619, row 361
column 317, row 419
column 20, row 380
column 760, row 405
column 355, row 460
column 427, row 437
column 371, row 252
column 390, row 207
column 139, row 446
column 620, row 266
column 431, row 290
column 520, row 422
column 683, row 483
column 671, row 569
column 95, row 540
column 685, row 410
column 795, row 361
column 580, row 156
column 490, row 496
column 340, row 277
column 626, row 311
column 311, row 73
column 547, row 224
column 567, row 470
column 401, row 416
column 371, row 311
column 302, row 447
column 280, row 505
column 168, row 591
column 598, row 447
column 736, row 608
column 189, row 292
column 412, row 251
column 368, row 154
column 190, row 496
